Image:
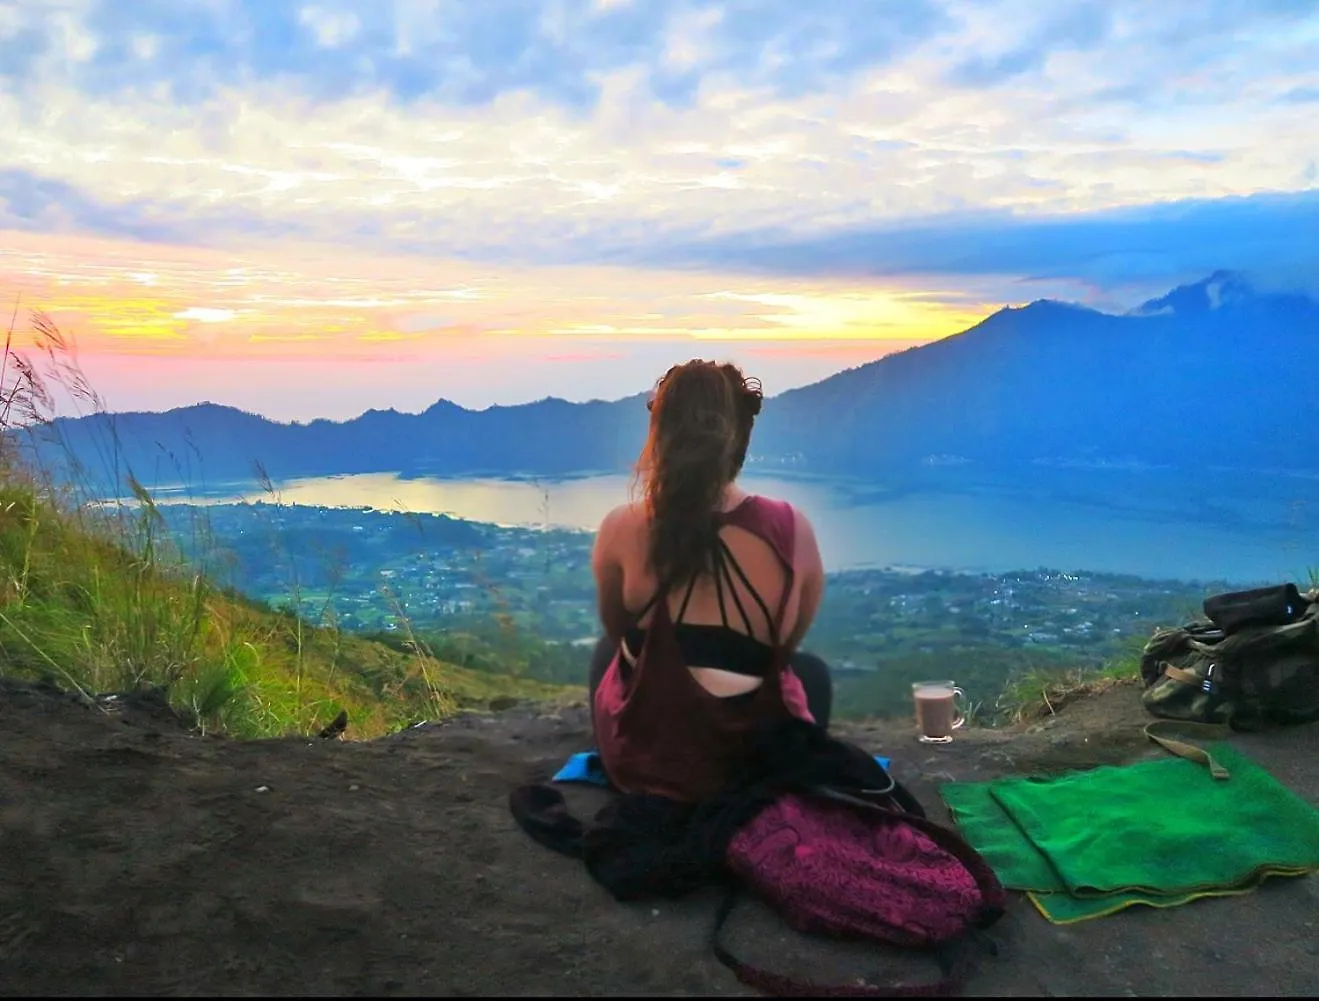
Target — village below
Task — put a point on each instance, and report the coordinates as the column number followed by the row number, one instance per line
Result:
column 522, row 600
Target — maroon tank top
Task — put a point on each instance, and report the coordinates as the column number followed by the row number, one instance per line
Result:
column 658, row 730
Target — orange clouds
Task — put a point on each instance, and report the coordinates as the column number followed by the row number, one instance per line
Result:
column 133, row 298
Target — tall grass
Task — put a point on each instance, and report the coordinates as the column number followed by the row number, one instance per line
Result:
column 440, row 699
column 96, row 597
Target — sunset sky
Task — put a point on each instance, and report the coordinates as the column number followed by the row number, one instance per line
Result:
column 312, row 209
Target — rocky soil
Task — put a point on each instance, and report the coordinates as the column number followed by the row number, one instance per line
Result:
column 139, row 858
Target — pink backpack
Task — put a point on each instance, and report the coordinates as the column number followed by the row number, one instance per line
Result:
column 836, row 864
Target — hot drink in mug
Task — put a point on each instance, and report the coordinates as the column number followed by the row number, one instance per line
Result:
column 938, row 712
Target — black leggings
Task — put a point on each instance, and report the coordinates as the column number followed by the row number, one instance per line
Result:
column 812, row 671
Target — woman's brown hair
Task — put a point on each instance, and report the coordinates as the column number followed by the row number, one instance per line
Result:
column 700, row 427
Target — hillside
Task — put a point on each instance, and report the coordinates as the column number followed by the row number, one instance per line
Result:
column 1212, row 374
column 99, row 603
column 142, row 859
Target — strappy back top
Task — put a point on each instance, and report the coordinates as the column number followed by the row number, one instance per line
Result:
column 657, row 729
column 716, row 645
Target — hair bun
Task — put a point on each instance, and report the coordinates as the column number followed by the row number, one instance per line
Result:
column 751, row 397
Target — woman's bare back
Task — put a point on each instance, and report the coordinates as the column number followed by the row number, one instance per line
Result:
column 763, row 570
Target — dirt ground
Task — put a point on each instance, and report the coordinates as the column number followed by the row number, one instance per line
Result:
column 137, row 858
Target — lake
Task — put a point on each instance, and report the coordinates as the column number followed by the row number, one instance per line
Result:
column 867, row 525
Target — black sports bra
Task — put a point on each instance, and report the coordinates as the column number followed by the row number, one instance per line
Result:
column 718, row 646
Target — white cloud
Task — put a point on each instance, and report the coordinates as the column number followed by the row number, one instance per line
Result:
column 145, row 47
column 206, row 314
column 331, row 28
column 1138, row 116
column 11, row 20
column 79, row 44
column 688, row 42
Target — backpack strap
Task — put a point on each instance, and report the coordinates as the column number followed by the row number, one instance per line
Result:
column 542, row 812
column 777, row 985
column 1184, row 749
column 953, row 961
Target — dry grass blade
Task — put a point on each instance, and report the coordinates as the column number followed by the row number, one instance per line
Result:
column 143, row 497
column 62, row 352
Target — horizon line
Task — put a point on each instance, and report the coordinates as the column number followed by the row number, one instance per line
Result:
column 1215, row 273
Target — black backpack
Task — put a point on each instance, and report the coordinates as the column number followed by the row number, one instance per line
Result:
column 1254, row 661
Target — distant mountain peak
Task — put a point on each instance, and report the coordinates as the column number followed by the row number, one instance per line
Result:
column 1220, row 289
column 441, row 406
column 1056, row 305
column 205, row 405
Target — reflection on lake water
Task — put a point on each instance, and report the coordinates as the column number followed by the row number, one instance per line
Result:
column 862, row 525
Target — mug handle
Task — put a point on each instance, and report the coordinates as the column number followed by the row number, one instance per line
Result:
column 960, row 721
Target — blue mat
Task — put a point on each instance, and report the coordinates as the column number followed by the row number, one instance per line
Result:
column 585, row 767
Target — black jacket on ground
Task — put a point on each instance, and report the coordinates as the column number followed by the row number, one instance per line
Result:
column 643, row 847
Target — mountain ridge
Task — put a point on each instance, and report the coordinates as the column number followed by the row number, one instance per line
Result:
column 1190, row 375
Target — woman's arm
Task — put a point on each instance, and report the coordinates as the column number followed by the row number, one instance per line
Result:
column 608, row 570
column 810, row 575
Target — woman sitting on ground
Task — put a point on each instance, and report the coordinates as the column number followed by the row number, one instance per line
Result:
column 705, row 592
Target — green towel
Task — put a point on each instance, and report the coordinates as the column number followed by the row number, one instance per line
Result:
column 1157, row 833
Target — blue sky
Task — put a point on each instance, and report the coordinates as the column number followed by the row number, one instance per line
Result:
column 627, row 176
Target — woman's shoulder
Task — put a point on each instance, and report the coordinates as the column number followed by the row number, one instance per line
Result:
column 784, row 519
column 767, row 517
column 623, row 518
column 771, row 507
